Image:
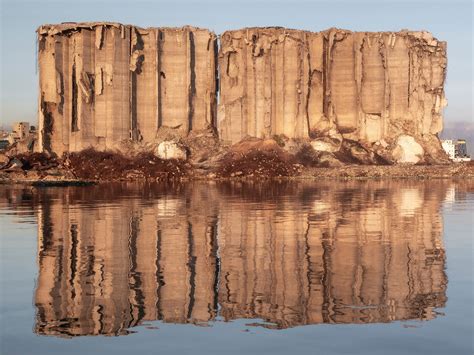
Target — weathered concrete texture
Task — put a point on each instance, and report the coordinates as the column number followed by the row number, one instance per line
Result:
column 368, row 86
column 102, row 83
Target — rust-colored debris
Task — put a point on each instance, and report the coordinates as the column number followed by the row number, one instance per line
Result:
column 90, row 164
column 258, row 158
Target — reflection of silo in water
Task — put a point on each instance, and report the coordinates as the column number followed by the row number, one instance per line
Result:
column 103, row 270
column 367, row 258
column 292, row 255
column 380, row 260
column 85, row 254
column 261, row 263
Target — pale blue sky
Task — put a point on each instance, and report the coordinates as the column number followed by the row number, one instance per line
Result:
column 447, row 20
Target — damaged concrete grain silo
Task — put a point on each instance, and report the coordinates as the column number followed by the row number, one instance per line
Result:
column 370, row 96
column 373, row 88
column 105, row 83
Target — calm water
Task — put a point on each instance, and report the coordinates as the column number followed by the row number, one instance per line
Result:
column 326, row 268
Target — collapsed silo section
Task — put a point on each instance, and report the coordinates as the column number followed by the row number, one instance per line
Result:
column 103, row 84
column 366, row 87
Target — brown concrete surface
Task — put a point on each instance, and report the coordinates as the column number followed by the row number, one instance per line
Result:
column 104, row 85
column 366, row 86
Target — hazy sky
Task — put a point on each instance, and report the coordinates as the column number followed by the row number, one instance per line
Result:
column 450, row 21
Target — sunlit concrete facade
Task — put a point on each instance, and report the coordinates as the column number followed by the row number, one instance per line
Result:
column 102, row 84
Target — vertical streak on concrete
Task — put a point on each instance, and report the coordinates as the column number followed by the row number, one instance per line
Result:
column 304, row 86
column 192, row 80
column 76, row 120
column 64, row 76
column 290, row 88
column 85, row 79
column 109, row 90
column 48, row 99
column 274, row 90
column 372, row 89
column 101, row 87
column 315, row 104
column 249, row 98
column 398, row 73
column 144, row 69
column 279, row 84
column 121, row 90
column 135, row 66
column 174, row 80
column 260, row 82
column 159, row 50
column 342, row 82
column 61, row 129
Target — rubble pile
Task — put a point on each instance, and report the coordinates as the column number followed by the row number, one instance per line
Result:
column 95, row 165
column 250, row 159
column 91, row 165
column 259, row 159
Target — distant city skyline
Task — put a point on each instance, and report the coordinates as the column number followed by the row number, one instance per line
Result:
column 449, row 21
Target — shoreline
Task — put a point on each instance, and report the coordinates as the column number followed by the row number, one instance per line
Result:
column 454, row 171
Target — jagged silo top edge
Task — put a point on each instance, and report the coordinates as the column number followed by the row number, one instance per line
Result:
column 65, row 27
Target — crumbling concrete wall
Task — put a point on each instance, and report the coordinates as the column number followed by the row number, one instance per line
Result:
column 367, row 86
column 103, row 83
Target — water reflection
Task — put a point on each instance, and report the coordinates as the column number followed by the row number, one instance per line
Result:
column 289, row 254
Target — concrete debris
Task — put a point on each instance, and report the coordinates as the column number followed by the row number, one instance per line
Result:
column 261, row 159
column 15, row 164
column 382, row 143
column 4, row 160
column 171, row 150
column 249, row 159
column 407, row 150
column 103, row 83
column 329, row 161
column 325, row 145
column 23, row 146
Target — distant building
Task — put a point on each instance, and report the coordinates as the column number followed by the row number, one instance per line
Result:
column 461, row 149
column 456, row 150
column 20, row 131
column 449, row 148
